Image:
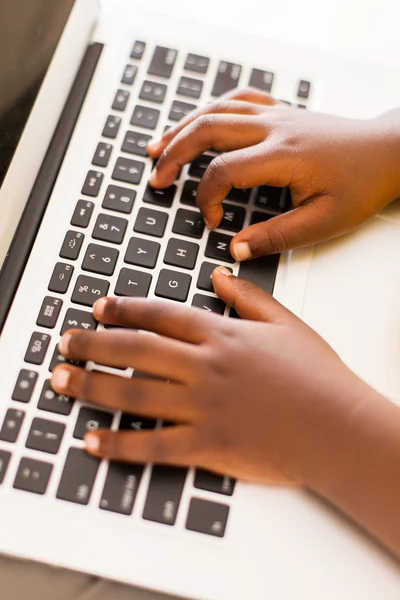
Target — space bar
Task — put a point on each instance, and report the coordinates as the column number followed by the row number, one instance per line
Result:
column 261, row 271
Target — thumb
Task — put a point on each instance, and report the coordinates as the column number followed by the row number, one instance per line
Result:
column 308, row 224
column 249, row 300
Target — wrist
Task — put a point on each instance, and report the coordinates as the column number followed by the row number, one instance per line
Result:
column 385, row 138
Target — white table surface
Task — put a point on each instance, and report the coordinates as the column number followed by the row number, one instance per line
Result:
column 363, row 29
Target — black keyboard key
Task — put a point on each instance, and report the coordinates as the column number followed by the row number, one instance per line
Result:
column 72, row 245
column 262, row 80
column 59, row 359
column 89, row 289
column 209, row 303
column 153, row 91
column 207, row 517
column 111, row 127
column 49, row 312
column 102, row 156
column 181, row 253
column 128, row 171
column 164, row 494
column 136, row 143
column 233, row 218
column 151, row 222
column 33, row 476
column 197, row 64
column 259, row 217
column 133, row 283
column 100, row 259
column 303, row 91
column 24, row 386
column 138, row 50
column 121, row 487
column 78, row 477
column 204, row 281
column 303, row 106
column 204, row 480
column 92, row 184
column 179, row 110
column 190, row 87
column 110, row 229
column 37, row 348
column 61, row 278
column 143, row 253
column 237, row 195
column 12, row 424
column 45, row 436
column 90, row 419
column 162, row 62
column 55, row 403
column 173, row 285
column 261, row 271
column 121, row 100
column 5, row 458
column 143, row 116
column 135, row 423
column 189, row 193
column 119, row 199
column 129, row 74
column 218, row 247
column 273, row 199
column 200, row 165
column 78, row 319
column 163, row 198
column 82, row 214
column 188, row 222
column 227, row 78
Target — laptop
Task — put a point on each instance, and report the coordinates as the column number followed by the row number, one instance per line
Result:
column 81, row 93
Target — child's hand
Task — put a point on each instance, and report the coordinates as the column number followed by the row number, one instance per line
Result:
column 340, row 171
column 263, row 399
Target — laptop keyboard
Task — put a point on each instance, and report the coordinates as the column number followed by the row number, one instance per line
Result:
column 145, row 268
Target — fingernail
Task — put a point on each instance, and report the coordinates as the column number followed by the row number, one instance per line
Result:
column 207, row 223
column 99, row 306
column 241, row 251
column 92, row 442
column 224, row 271
column 153, row 177
column 60, row 379
column 63, row 344
column 154, row 144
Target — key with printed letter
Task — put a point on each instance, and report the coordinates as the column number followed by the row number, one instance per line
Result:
column 173, row 285
column 90, row 419
column 143, row 253
column 189, row 222
column 37, row 348
column 151, row 222
column 164, row 494
column 121, row 487
column 181, row 253
column 209, row 303
column 24, row 386
column 162, row 62
column 79, row 475
column 218, row 247
column 133, row 283
column 227, row 78
column 163, row 198
column 204, row 281
column 199, row 166
column 189, row 192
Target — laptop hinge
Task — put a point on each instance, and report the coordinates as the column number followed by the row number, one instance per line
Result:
column 25, row 235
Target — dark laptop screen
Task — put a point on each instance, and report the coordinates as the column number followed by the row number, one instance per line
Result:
column 29, row 33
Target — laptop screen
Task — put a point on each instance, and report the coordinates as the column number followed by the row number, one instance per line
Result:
column 29, row 33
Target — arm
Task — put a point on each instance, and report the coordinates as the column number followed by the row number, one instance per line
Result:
column 340, row 171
